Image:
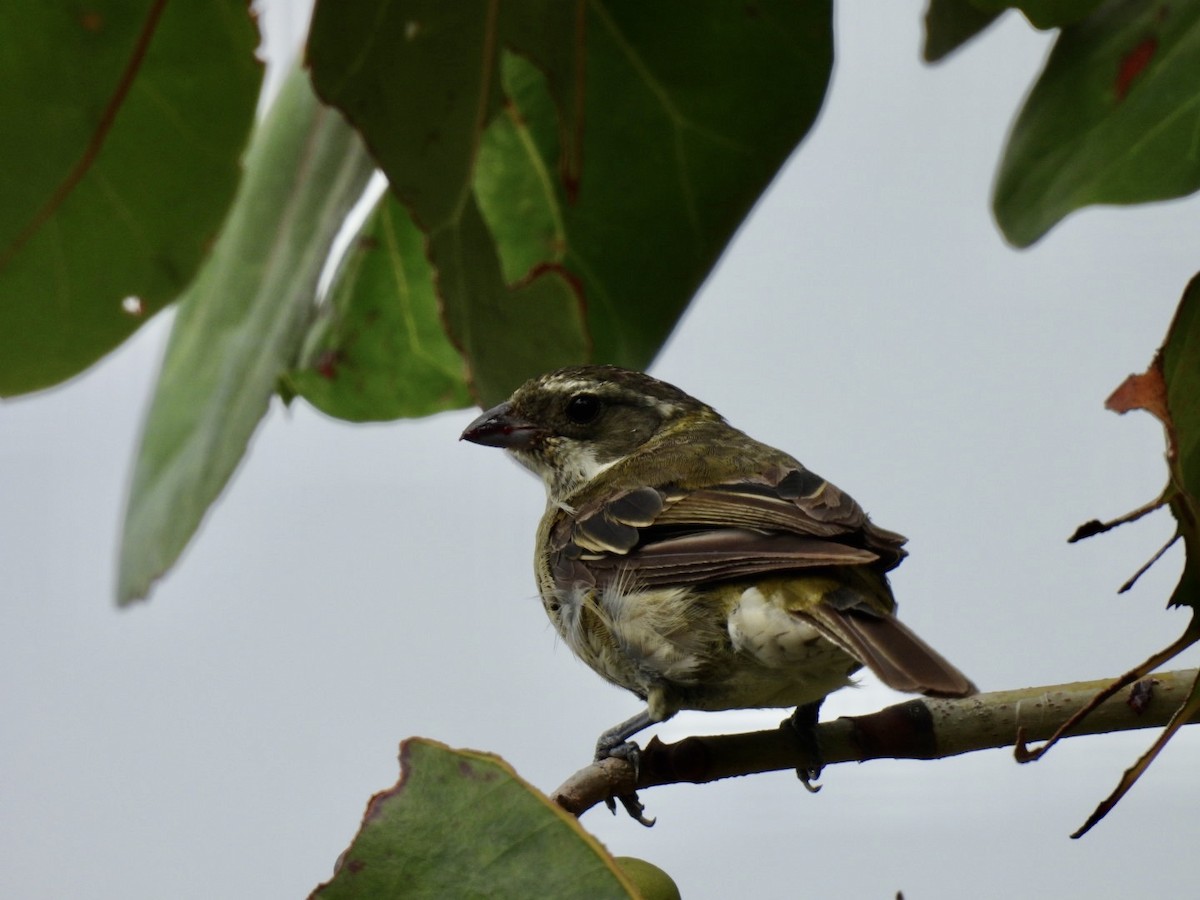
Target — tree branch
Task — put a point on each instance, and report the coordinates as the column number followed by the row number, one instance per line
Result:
column 924, row 728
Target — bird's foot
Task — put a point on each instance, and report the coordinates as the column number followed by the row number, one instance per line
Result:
column 626, row 750
column 632, row 754
column 615, row 744
column 803, row 724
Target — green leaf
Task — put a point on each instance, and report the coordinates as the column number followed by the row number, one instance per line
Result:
column 240, row 325
column 516, row 184
column 378, row 349
column 119, row 145
column 951, row 23
column 507, row 333
column 463, row 824
column 1180, row 361
column 606, row 150
column 1111, row 119
column 1043, row 13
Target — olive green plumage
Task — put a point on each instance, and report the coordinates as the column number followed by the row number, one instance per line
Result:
column 695, row 566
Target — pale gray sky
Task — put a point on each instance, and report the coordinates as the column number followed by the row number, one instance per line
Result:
column 358, row 585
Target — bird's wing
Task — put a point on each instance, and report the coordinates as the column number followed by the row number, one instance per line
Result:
column 786, row 520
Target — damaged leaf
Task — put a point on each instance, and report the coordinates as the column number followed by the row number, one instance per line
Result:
column 1110, row 120
column 460, row 823
column 1170, row 391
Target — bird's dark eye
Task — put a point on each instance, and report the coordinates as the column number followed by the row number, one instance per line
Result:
column 582, row 409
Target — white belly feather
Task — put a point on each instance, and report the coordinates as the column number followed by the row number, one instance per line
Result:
column 763, row 629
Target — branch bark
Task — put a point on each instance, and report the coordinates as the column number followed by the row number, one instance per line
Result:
column 923, row 728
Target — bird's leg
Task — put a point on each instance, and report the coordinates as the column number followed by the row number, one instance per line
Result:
column 615, row 743
column 803, row 723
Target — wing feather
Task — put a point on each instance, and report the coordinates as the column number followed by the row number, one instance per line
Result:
column 712, row 555
column 784, row 520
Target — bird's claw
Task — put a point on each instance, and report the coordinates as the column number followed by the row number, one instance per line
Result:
column 808, row 778
column 633, row 806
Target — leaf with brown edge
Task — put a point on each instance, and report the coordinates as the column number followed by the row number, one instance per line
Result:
column 461, row 823
column 1170, row 391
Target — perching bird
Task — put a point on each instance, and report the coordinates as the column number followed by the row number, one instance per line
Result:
column 696, row 567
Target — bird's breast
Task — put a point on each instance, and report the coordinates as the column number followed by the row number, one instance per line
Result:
column 638, row 639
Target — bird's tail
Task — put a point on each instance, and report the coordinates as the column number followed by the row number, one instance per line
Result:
column 891, row 650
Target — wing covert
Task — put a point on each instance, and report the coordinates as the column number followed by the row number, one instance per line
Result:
column 784, row 520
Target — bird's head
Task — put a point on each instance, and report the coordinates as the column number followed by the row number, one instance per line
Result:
column 570, row 425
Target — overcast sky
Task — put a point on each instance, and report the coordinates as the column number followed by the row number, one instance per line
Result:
column 358, row 585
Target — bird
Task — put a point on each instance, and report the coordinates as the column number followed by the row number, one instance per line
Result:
column 696, row 567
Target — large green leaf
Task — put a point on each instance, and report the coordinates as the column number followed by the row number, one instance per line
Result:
column 1112, row 118
column 119, row 144
column 577, row 167
column 463, row 824
column 240, row 325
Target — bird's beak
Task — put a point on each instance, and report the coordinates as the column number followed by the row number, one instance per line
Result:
column 499, row 427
